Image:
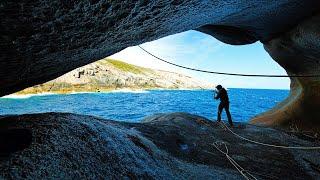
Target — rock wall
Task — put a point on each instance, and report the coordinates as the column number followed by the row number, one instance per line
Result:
column 298, row 52
column 41, row 40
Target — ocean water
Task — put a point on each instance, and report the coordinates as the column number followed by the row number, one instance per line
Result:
column 135, row 105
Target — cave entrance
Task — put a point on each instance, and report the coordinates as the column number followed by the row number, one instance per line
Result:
column 251, row 95
column 134, row 91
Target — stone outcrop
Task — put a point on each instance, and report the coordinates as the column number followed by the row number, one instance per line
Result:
column 298, row 52
column 41, row 40
column 164, row 146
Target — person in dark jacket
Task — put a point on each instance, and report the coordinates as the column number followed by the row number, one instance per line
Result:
column 222, row 94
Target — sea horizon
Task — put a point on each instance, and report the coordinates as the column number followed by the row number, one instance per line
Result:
column 123, row 90
column 134, row 105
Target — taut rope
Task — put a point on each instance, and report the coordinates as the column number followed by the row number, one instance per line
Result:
column 225, row 73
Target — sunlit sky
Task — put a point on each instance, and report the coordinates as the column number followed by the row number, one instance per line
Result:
column 198, row 50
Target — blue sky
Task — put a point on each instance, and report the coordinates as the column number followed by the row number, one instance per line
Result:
column 198, row 50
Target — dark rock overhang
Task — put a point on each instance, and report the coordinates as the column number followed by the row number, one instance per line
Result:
column 41, row 40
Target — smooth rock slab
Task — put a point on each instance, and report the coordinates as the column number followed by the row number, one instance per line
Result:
column 164, row 146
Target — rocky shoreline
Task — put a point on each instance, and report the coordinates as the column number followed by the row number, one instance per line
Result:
column 110, row 90
column 163, row 146
column 108, row 75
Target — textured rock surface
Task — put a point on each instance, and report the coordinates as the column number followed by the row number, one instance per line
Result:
column 165, row 146
column 109, row 74
column 41, row 40
column 298, row 52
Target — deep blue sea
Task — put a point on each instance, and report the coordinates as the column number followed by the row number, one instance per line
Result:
column 135, row 105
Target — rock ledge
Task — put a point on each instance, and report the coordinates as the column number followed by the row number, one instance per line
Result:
column 163, row 146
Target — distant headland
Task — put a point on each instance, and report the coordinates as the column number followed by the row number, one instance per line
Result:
column 110, row 74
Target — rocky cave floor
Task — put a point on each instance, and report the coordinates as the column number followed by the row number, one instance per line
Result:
column 163, row 146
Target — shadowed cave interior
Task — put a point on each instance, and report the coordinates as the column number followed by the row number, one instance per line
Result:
column 41, row 40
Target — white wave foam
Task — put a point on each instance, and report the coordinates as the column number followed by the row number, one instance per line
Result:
column 178, row 89
column 188, row 89
column 84, row 92
column 113, row 91
column 129, row 91
column 44, row 94
column 24, row 96
column 14, row 96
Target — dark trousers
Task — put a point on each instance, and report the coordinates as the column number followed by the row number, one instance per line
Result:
column 225, row 106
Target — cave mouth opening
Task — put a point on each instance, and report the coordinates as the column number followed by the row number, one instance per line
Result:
column 37, row 59
column 188, row 48
column 199, row 50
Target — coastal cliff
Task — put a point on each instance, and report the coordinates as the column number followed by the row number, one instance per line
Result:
column 110, row 74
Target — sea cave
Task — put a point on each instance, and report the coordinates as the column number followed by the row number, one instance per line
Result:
column 41, row 40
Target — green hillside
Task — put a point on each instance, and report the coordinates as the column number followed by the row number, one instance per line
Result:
column 125, row 67
column 110, row 74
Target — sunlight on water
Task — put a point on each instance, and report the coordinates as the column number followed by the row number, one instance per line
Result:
column 135, row 105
